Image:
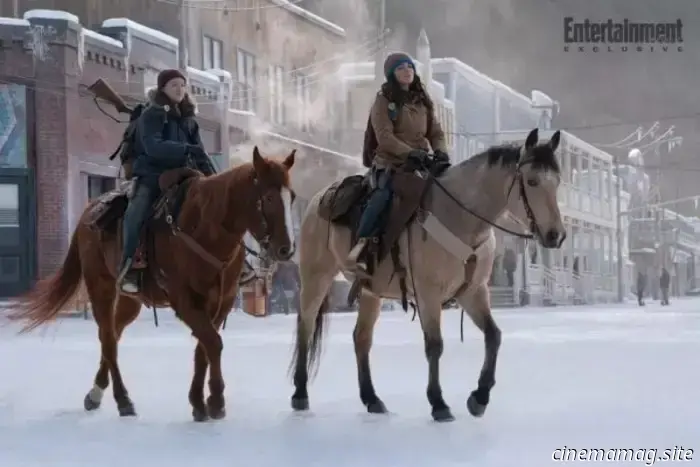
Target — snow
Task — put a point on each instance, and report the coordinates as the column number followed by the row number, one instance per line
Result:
column 51, row 14
column 144, row 30
column 102, row 38
column 220, row 73
column 14, row 22
column 596, row 377
column 202, row 75
column 297, row 10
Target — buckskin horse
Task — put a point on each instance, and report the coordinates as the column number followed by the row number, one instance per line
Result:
column 195, row 256
column 442, row 229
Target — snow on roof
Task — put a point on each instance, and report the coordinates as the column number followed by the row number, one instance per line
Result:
column 52, row 14
column 472, row 73
column 14, row 22
column 145, row 30
column 297, row 10
column 102, row 38
column 202, row 75
column 220, row 73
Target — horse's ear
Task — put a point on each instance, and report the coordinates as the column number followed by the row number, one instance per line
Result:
column 258, row 162
column 289, row 161
column 554, row 142
column 532, row 139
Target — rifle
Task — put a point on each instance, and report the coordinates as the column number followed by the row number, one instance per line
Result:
column 102, row 90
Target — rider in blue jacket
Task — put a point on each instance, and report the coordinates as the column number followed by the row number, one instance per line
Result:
column 167, row 137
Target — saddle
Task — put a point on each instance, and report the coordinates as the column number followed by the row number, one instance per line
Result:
column 344, row 202
column 108, row 211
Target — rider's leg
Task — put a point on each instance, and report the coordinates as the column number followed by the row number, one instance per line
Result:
column 371, row 220
column 135, row 216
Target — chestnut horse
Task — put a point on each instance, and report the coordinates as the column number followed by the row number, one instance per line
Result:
column 214, row 216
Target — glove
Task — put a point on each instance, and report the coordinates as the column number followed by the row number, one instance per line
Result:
column 418, row 155
column 440, row 156
column 201, row 160
column 196, row 152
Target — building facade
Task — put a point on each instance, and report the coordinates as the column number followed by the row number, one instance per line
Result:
column 660, row 237
column 488, row 112
column 55, row 141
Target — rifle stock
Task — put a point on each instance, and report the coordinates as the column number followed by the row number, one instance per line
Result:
column 102, row 90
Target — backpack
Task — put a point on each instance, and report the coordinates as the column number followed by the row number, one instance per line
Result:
column 370, row 145
column 125, row 150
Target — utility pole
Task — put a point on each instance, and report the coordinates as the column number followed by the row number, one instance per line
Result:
column 381, row 51
column 618, row 231
column 182, row 42
column 15, row 8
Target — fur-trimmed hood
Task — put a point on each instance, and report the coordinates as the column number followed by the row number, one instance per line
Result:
column 158, row 99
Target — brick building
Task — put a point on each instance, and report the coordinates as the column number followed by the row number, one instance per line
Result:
column 54, row 141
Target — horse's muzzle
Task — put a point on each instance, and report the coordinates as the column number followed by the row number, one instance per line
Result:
column 553, row 238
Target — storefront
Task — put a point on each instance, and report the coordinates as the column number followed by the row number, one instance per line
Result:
column 17, row 194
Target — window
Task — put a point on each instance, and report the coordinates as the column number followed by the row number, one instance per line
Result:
column 276, row 82
column 303, row 100
column 212, row 53
column 245, row 70
column 98, row 185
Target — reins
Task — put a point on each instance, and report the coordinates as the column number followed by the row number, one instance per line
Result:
column 528, row 209
column 527, row 236
column 216, row 263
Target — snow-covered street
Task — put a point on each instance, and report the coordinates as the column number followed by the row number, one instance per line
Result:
column 618, row 377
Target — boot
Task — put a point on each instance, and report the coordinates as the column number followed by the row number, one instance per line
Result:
column 356, row 261
column 126, row 280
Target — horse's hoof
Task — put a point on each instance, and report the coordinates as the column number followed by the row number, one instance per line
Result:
column 127, row 410
column 90, row 404
column 443, row 415
column 376, row 407
column 300, row 404
column 199, row 415
column 217, row 413
column 475, row 407
column 216, row 407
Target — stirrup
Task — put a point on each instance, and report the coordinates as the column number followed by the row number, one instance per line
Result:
column 129, row 286
column 361, row 270
column 125, row 279
column 357, row 250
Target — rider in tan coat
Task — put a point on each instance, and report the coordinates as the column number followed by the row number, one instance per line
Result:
column 404, row 124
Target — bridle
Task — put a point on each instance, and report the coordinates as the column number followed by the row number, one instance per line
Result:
column 518, row 178
column 267, row 261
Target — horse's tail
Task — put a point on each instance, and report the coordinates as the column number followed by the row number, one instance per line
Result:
column 312, row 348
column 51, row 295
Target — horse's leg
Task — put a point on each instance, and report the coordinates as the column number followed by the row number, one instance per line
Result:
column 191, row 309
column 315, row 285
column 431, row 318
column 102, row 291
column 370, row 307
column 478, row 307
column 127, row 311
column 201, row 364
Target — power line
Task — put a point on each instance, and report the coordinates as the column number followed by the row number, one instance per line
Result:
column 198, row 4
column 242, row 95
column 61, row 90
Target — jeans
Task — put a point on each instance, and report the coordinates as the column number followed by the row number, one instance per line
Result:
column 136, row 213
column 373, row 218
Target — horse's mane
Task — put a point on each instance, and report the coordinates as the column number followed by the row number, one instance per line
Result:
column 508, row 155
column 214, row 193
